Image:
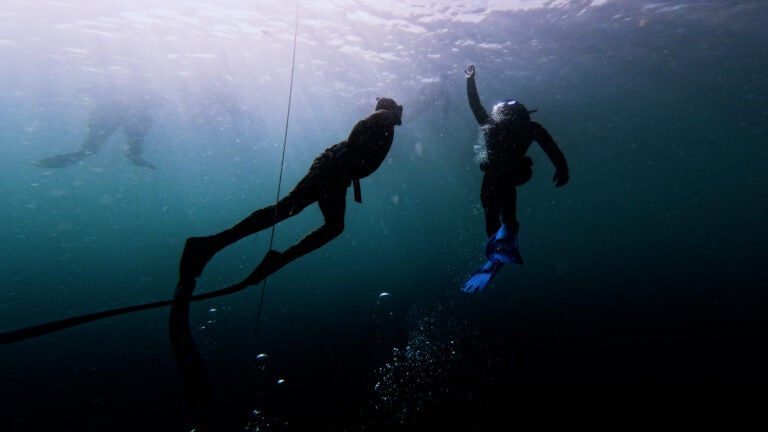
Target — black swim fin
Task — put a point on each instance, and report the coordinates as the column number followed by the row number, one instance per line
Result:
column 193, row 260
column 193, row 375
column 197, row 252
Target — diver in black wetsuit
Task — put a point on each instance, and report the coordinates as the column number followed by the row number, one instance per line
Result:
column 508, row 133
column 326, row 183
column 109, row 113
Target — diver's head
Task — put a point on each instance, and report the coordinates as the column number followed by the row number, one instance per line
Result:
column 388, row 104
column 511, row 109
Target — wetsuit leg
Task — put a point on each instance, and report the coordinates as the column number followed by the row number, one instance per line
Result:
column 517, row 174
column 101, row 125
column 199, row 250
column 309, row 190
column 138, row 122
column 509, row 208
column 489, row 199
column 333, row 205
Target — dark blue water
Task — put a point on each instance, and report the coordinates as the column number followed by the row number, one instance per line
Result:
column 647, row 268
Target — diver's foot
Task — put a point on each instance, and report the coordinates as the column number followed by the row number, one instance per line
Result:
column 271, row 263
column 197, row 252
column 503, row 247
column 506, row 254
column 63, row 160
column 140, row 162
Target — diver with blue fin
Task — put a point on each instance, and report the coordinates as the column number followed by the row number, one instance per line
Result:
column 501, row 248
column 507, row 133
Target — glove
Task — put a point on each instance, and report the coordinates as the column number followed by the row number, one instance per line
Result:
column 470, row 71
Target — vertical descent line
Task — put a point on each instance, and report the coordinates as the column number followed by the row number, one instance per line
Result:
column 282, row 161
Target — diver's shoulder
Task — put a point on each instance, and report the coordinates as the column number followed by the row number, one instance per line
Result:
column 377, row 119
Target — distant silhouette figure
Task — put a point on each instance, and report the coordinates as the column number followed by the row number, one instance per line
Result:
column 108, row 114
column 431, row 96
column 507, row 134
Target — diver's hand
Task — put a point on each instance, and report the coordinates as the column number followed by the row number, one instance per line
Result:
column 561, row 178
column 470, row 71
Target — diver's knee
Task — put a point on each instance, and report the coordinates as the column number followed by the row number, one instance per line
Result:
column 334, row 229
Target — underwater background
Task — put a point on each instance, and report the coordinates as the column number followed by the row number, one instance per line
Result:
column 648, row 268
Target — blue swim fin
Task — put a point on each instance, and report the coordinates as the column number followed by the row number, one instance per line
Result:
column 480, row 277
column 503, row 247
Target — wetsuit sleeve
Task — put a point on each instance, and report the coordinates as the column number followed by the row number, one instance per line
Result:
column 547, row 143
column 474, row 102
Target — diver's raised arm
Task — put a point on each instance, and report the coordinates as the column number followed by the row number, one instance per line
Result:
column 474, row 98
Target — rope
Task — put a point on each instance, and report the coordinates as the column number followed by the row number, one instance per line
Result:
column 282, row 163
